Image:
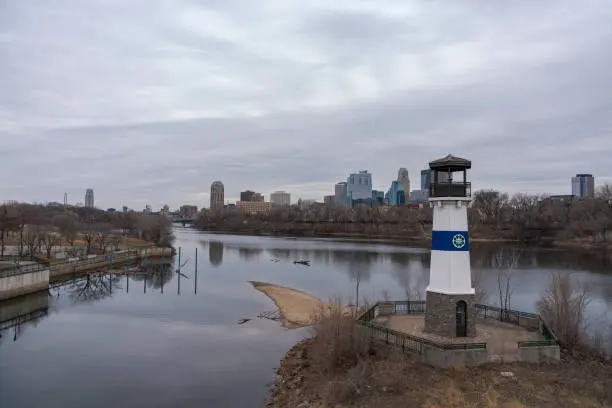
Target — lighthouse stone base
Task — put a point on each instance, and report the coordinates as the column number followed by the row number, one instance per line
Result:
column 441, row 314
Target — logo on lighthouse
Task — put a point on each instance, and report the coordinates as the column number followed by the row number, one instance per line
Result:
column 458, row 241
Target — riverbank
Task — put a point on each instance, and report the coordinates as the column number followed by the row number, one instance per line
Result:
column 388, row 379
column 334, row 368
column 421, row 241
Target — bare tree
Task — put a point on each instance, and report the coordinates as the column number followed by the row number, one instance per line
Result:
column 31, row 241
column 21, row 220
column 68, row 228
column 103, row 236
column 490, row 205
column 89, row 234
column 505, row 262
column 156, row 229
column 49, row 240
column 563, row 306
column 481, row 295
column 7, row 223
column 604, row 193
column 116, row 242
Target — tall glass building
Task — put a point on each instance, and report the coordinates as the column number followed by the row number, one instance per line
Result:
column 583, row 186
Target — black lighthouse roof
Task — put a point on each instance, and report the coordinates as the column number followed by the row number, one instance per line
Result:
column 450, row 163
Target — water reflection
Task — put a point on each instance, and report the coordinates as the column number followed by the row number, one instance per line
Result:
column 155, row 275
column 482, row 256
column 249, row 254
column 215, row 252
column 129, row 323
column 17, row 315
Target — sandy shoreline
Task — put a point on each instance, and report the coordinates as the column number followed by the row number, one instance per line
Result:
column 297, row 308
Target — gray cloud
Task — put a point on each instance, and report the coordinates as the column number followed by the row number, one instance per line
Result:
column 150, row 102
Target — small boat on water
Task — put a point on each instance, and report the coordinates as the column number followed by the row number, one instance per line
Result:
column 302, row 262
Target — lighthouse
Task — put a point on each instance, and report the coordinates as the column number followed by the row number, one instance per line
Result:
column 450, row 297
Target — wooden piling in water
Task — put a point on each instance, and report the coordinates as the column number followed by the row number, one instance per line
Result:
column 178, row 288
column 195, row 284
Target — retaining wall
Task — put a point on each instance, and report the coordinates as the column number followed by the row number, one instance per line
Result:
column 103, row 261
column 540, row 354
column 18, row 284
column 449, row 358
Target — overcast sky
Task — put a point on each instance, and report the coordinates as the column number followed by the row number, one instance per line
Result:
column 150, row 101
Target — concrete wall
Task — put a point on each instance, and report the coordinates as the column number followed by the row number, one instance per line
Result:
column 102, row 261
column 539, row 354
column 17, row 285
column 449, row 358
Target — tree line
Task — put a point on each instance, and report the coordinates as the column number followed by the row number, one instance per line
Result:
column 492, row 214
column 37, row 229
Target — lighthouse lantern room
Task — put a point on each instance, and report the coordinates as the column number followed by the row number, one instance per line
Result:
column 450, row 296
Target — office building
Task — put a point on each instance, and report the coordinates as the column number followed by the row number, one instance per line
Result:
column 417, row 197
column 328, row 199
column 254, row 207
column 396, row 194
column 378, row 197
column 583, row 186
column 341, row 193
column 280, row 198
column 404, row 179
column 359, row 186
column 425, row 181
column 251, row 196
column 188, row 211
column 217, row 196
column 306, row 204
column 89, row 198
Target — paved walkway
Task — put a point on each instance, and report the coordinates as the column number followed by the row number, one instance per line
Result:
column 501, row 338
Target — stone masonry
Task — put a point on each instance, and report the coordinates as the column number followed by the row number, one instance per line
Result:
column 440, row 314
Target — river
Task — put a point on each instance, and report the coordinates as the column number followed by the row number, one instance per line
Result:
column 167, row 342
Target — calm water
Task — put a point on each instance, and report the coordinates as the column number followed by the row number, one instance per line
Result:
column 158, row 343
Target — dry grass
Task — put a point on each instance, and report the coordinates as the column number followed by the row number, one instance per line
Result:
column 563, row 306
column 338, row 368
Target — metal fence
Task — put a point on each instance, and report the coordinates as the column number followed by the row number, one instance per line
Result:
column 76, row 265
column 518, row 318
column 409, row 307
column 406, row 341
column 415, row 344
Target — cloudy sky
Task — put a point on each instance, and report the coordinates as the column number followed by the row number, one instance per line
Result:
column 150, row 101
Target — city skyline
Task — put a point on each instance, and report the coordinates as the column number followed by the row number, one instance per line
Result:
column 587, row 188
column 521, row 89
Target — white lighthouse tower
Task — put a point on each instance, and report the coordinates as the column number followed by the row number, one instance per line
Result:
column 450, row 296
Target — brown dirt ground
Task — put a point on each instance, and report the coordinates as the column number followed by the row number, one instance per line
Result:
column 391, row 381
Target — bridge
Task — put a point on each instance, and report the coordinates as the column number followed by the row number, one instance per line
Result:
column 182, row 220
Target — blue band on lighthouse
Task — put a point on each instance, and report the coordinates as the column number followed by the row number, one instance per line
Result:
column 449, row 241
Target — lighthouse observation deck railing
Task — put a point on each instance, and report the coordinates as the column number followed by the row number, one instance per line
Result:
column 407, row 342
column 377, row 331
column 450, row 189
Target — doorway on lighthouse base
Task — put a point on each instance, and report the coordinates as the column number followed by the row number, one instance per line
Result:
column 461, row 319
